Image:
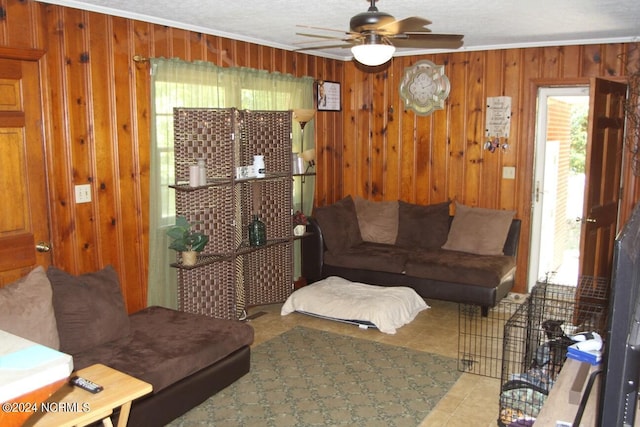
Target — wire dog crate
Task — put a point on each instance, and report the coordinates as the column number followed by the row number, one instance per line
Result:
column 535, row 343
column 480, row 338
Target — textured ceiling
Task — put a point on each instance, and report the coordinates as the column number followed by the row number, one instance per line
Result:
column 486, row 24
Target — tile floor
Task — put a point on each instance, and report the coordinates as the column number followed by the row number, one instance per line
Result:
column 473, row 400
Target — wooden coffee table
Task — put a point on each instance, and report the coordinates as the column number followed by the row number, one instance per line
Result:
column 73, row 406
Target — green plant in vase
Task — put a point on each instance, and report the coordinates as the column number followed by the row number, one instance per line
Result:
column 186, row 240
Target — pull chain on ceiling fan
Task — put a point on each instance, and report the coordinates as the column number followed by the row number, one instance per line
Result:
column 373, row 36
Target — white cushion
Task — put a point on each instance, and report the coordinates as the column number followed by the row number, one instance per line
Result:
column 388, row 308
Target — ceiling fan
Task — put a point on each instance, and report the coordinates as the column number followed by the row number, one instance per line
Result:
column 374, row 35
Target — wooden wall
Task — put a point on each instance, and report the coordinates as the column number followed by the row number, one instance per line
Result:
column 96, row 103
column 388, row 153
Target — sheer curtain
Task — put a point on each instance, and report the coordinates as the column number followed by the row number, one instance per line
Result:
column 176, row 83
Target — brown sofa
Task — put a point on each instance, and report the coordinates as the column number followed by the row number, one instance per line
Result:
column 185, row 357
column 467, row 258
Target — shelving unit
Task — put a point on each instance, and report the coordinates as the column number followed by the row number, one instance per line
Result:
column 230, row 274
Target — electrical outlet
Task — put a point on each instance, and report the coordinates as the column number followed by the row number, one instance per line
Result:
column 509, row 172
column 83, row 193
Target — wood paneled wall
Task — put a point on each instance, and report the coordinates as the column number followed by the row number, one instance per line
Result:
column 96, row 103
column 388, row 153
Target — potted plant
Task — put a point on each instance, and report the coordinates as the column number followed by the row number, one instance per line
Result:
column 186, row 240
column 300, row 222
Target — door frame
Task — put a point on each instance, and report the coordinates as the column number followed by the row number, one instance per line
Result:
column 535, row 85
column 543, row 91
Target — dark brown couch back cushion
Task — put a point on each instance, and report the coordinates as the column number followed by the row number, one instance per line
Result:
column 339, row 225
column 89, row 308
column 422, row 226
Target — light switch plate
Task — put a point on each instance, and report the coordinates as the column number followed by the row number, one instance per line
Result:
column 508, row 172
column 83, row 193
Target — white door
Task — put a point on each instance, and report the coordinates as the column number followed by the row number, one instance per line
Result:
column 558, row 187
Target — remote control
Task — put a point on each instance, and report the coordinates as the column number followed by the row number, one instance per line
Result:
column 85, row 384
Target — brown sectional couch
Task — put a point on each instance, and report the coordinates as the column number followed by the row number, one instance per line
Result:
column 470, row 259
column 185, row 357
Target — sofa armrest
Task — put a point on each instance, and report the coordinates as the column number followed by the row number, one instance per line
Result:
column 513, row 238
column 312, row 252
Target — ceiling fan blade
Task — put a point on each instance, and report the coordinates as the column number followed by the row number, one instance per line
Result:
column 411, row 24
column 429, row 36
column 322, row 29
column 318, row 36
column 427, row 41
column 326, row 46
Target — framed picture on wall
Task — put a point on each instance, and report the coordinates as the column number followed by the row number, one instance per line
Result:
column 328, row 96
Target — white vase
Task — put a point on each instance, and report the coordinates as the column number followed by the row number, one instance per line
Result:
column 299, row 230
column 258, row 165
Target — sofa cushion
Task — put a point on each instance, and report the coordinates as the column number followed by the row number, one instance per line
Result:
column 26, row 309
column 422, row 226
column 459, row 267
column 339, row 224
column 89, row 308
column 166, row 345
column 478, row 230
column 378, row 221
column 369, row 256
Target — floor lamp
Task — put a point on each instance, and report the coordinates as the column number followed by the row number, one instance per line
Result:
column 304, row 116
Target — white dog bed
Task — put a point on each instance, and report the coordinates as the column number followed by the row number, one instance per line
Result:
column 386, row 308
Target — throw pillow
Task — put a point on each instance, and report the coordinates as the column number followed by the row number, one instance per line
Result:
column 422, row 226
column 339, row 225
column 89, row 308
column 478, row 230
column 378, row 221
column 26, row 309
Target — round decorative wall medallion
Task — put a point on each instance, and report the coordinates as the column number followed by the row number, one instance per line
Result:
column 424, row 87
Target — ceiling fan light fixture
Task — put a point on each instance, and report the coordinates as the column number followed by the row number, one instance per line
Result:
column 373, row 54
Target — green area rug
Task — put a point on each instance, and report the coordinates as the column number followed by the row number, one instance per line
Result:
column 306, row 377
